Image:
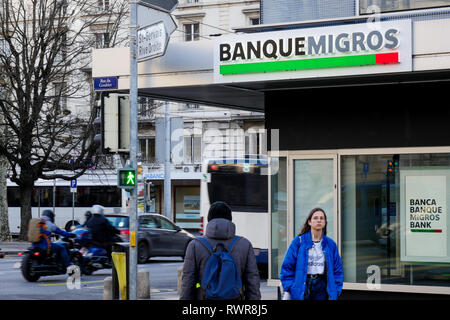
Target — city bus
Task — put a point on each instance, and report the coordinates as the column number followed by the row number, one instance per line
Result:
column 242, row 183
column 56, row 195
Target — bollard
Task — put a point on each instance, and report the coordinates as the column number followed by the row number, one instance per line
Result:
column 107, row 289
column 120, row 276
column 120, row 265
column 180, row 275
column 143, row 285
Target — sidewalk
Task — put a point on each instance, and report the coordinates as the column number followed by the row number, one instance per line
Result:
column 13, row 247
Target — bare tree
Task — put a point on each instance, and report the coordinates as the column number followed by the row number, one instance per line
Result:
column 44, row 60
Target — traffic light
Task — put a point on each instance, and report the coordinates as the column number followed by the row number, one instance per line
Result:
column 390, row 167
column 396, row 162
column 126, row 178
column 113, row 125
column 98, row 137
column 393, row 165
column 152, row 192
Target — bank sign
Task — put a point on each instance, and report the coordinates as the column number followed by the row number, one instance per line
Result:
column 363, row 48
column 424, row 236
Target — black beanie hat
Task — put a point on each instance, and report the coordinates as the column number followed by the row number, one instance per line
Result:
column 219, row 209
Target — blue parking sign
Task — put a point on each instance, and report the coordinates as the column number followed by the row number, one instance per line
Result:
column 73, row 186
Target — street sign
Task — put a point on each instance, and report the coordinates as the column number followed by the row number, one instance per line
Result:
column 106, row 83
column 148, row 16
column 73, row 186
column 126, row 178
column 165, row 5
column 152, row 41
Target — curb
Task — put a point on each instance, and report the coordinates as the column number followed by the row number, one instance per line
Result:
column 9, row 253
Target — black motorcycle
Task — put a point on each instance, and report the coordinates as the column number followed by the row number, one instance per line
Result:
column 36, row 262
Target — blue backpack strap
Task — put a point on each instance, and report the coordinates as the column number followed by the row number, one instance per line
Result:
column 205, row 243
column 233, row 242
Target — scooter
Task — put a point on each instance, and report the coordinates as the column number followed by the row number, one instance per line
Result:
column 94, row 257
column 37, row 262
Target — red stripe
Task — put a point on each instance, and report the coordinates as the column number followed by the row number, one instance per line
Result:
column 386, row 58
column 438, row 230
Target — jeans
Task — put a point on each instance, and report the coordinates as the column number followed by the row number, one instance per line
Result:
column 61, row 250
column 316, row 289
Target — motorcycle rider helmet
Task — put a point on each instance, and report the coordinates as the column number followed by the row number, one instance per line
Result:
column 49, row 213
column 88, row 214
column 98, row 209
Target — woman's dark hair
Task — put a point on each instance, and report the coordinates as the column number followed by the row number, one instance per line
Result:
column 307, row 227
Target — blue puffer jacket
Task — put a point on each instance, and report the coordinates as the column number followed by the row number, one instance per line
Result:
column 295, row 265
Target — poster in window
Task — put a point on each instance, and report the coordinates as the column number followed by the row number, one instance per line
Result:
column 425, row 218
column 191, row 204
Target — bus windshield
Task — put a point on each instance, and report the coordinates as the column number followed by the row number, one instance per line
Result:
column 242, row 186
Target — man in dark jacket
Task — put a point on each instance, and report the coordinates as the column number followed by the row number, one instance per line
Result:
column 102, row 230
column 219, row 229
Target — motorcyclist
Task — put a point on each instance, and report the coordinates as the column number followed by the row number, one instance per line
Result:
column 102, row 230
column 44, row 241
column 87, row 216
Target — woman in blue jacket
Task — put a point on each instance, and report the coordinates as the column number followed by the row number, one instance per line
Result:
column 312, row 267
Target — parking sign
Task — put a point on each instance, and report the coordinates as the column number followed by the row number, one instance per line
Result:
column 73, row 185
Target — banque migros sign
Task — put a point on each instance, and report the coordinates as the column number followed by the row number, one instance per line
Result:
column 364, row 48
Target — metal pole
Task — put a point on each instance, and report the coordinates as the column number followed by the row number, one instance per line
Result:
column 133, row 148
column 39, row 202
column 54, row 195
column 73, row 208
column 167, row 179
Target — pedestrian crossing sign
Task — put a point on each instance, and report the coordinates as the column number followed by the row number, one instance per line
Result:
column 126, row 178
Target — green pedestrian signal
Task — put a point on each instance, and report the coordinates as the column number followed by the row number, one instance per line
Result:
column 126, row 178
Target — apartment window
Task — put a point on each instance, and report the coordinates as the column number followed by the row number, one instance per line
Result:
column 147, row 149
column 189, row 107
column 192, row 149
column 103, row 4
column 376, row 6
column 60, row 94
column 192, row 31
column 256, row 142
column 192, row 1
column 254, row 21
column 146, row 107
column 102, row 40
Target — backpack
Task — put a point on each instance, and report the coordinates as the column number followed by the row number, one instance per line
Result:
column 221, row 278
column 34, row 229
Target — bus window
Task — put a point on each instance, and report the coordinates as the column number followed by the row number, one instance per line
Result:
column 241, row 191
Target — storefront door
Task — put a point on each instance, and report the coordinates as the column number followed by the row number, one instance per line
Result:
column 309, row 181
column 313, row 182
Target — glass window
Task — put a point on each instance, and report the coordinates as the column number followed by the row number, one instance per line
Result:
column 118, row 221
column 192, row 149
column 192, row 31
column 313, row 187
column 394, row 210
column 13, row 196
column 375, row 6
column 86, row 196
column 254, row 21
column 278, row 214
column 242, row 191
column 147, row 222
column 164, row 224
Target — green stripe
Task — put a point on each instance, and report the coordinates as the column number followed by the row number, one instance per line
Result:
column 301, row 64
column 423, row 230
